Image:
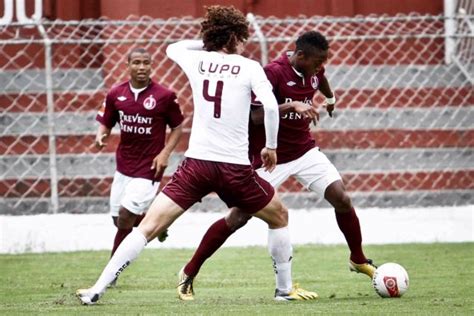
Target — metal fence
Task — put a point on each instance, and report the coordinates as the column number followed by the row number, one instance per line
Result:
column 403, row 131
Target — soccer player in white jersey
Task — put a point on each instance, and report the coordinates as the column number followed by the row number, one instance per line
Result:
column 217, row 158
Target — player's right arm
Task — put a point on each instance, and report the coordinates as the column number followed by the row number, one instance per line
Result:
column 107, row 116
column 101, row 136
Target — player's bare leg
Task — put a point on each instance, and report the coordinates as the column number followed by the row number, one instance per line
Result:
column 348, row 223
column 161, row 214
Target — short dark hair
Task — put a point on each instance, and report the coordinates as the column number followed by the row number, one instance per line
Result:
column 308, row 41
column 223, row 27
column 139, row 50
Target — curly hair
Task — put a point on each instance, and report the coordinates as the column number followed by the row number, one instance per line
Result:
column 223, row 28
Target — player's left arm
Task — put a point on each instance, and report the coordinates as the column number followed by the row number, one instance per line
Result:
column 174, row 120
column 325, row 88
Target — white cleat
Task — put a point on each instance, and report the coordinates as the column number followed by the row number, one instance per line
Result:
column 87, row 297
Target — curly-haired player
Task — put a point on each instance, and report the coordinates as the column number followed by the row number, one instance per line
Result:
column 217, row 158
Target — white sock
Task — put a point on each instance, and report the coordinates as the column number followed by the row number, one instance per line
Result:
column 128, row 250
column 279, row 246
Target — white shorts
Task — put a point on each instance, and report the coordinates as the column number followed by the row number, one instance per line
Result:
column 313, row 170
column 134, row 194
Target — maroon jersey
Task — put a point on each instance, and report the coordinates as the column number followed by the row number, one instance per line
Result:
column 142, row 125
column 294, row 136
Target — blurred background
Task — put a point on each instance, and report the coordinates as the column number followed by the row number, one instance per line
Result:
column 402, row 72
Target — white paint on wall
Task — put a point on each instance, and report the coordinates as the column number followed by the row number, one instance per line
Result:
column 68, row 232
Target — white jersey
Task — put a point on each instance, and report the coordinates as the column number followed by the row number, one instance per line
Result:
column 222, row 86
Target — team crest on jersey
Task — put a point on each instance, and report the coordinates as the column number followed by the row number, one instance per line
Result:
column 149, row 103
column 314, row 82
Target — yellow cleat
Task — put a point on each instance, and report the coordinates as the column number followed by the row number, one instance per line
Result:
column 367, row 268
column 296, row 294
column 185, row 286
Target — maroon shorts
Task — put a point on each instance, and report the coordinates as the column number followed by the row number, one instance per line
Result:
column 236, row 185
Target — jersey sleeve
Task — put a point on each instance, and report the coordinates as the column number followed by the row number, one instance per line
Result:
column 174, row 117
column 179, row 52
column 263, row 90
column 107, row 115
column 255, row 102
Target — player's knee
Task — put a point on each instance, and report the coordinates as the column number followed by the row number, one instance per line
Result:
column 124, row 224
column 343, row 203
column 346, row 201
column 284, row 215
column 280, row 217
column 125, row 219
column 115, row 220
column 336, row 195
column 236, row 219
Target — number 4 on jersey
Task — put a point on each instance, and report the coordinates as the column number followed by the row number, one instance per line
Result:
column 216, row 98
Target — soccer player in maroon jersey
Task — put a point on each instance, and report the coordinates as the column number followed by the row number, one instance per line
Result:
column 143, row 109
column 217, row 157
column 295, row 76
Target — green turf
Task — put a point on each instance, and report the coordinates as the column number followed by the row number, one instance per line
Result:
column 241, row 281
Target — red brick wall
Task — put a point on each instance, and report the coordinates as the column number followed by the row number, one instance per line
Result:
column 119, row 9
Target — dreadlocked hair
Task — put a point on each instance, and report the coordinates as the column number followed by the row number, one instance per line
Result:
column 223, row 28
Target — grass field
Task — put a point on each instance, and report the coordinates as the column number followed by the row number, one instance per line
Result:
column 241, row 281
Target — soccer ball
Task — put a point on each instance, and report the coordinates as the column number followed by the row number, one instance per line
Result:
column 390, row 280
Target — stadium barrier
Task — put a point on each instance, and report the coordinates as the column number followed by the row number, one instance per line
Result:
column 402, row 135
